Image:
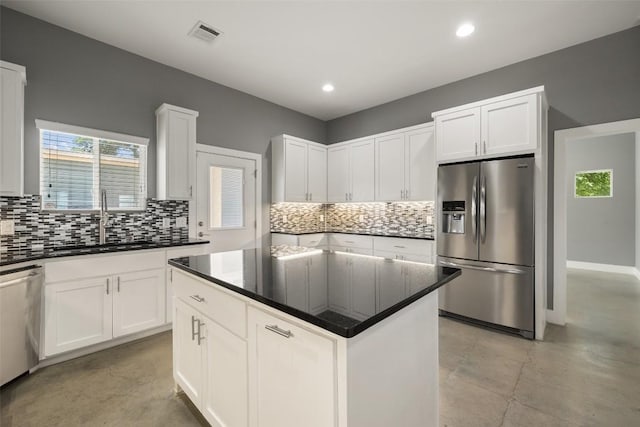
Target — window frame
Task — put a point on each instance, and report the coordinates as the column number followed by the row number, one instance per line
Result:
column 44, row 125
column 575, row 186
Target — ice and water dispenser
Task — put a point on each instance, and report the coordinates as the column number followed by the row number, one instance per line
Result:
column 453, row 213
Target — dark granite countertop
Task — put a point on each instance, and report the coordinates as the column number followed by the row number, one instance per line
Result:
column 342, row 293
column 402, row 236
column 66, row 251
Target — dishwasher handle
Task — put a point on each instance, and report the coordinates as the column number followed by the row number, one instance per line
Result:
column 12, row 278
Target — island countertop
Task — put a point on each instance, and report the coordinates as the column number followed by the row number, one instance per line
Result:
column 339, row 292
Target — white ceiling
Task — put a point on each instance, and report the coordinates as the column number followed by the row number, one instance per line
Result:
column 373, row 52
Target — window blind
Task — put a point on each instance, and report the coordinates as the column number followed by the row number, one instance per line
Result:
column 75, row 168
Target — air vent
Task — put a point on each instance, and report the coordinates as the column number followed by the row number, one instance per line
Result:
column 204, row 32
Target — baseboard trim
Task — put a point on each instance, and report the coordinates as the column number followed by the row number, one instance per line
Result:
column 554, row 317
column 607, row 268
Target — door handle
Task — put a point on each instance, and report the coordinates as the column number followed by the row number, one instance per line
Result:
column 277, row 330
column 483, row 209
column 488, row 269
column 474, row 209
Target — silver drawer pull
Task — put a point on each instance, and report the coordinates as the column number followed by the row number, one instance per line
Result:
column 197, row 298
column 402, row 247
column 349, row 241
column 274, row 328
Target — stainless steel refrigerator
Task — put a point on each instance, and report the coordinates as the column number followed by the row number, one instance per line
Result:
column 486, row 228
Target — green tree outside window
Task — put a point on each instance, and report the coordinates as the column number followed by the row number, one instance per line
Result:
column 597, row 183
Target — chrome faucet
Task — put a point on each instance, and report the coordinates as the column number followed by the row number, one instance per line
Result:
column 104, row 217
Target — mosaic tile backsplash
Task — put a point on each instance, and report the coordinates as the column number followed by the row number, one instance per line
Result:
column 411, row 219
column 53, row 229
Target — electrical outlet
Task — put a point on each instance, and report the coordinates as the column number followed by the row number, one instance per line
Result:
column 7, row 227
column 361, row 218
column 284, row 219
column 429, row 220
column 181, row 221
column 166, row 222
column 37, row 247
column 321, row 217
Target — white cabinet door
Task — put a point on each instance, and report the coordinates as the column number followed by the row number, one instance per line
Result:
column 389, row 179
column 11, row 129
column 169, row 296
column 188, row 356
column 363, row 287
column 138, row 301
column 511, row 126
column 318, row 291
column 295, row 174
column 362, row 171
column 338, row 174
column 420, row 171
column 295, row 274
column 458, row 135
column 338, row 286
column 391, row 289
column 77, row 314
column 317, row 173
column 292, row 374
column 225, row 402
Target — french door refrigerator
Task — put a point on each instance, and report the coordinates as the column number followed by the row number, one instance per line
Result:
column 486, row 215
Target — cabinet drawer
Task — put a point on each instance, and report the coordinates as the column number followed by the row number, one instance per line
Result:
column 185, row 251
column 351, row 241
column 219, row 306
column 102, row 265
column 424, row 258
column 312, row 240
column 403, row 246
column 278, row 239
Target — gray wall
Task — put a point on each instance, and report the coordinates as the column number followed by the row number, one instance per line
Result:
column 593, row 82
column 603, row 230
column 77, row 80
column 638, row 202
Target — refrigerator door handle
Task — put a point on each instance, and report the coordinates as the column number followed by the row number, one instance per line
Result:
column 474, row 209
column 475, row 267
column 483, row 208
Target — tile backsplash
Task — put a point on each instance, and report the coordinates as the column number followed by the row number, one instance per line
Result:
column 32, row 226
column 413, row 219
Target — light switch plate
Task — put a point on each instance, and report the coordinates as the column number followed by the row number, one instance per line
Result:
column 361, row 218
column 181, row 221
column 7, row 227
column 284, row 219
column 166, row 222
column 429, row 220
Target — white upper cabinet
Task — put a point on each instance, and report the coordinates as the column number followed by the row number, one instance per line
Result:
column 13, row 79
column 510, row 126
column 405, row 165
column 505, row 125
column 176, row 152
column 351, row 172
column 299, row 170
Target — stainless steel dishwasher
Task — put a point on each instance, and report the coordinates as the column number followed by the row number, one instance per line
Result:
column 20, row 296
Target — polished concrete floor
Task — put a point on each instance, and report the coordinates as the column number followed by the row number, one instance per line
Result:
column 584, row 374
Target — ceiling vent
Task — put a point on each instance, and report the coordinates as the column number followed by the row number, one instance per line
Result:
column 204, row 32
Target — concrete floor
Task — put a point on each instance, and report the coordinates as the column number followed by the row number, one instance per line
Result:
column 587, row 373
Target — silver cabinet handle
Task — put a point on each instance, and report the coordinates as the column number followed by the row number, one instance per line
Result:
column 483, row 209
column 350, row 196
column 476, row 148
column 346, row 196
column 484, row 143
column 398, row 246
column 474, row 209
column 193, row 328
column 200, row 337
column 190, row 190
column 401, row 194
column 107, row 286
column 171, row 275
column 348, row 241
column 274, row 328
column 118, row 282
column 197, row 298
column 200, row 223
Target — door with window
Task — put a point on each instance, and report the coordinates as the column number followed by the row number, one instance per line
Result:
column 226, row 201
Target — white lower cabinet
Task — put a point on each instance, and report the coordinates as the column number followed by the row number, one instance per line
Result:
column 292, row 374
column 138, row 301
column 188, row 354
column 77, row 314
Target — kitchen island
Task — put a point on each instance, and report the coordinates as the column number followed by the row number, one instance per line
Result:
column 292, row 336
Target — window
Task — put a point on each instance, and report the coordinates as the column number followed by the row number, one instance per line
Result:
column 76, row 164
column 595, row 183
column 226, row 197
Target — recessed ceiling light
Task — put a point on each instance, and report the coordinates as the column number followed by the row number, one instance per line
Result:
column 465, row 29
column 328, row 87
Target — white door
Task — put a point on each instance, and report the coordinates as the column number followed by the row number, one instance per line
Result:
column 295, row 171
column 458, row 135
column 510, row 126
column 77, row 314
column 292, row 374
column 362, row 171
column 188, row 368
column 225, row 402
column 338, row 174
column 390, row 168
column 420, row 173
column 317, row 174
column 138, row 301
column 226, row 201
